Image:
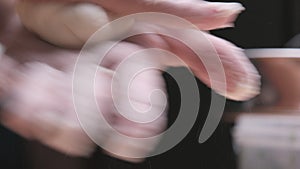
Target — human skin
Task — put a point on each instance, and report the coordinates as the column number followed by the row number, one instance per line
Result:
column 243, row 74
column 206, row 15
column 47, row 70
column 27, row 48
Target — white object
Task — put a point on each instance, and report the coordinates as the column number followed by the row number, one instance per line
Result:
column 257, row 53
column 268, row 141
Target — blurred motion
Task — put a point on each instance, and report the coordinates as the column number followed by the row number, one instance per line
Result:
column 70, row 25
column 36, row 75
column 242, row 80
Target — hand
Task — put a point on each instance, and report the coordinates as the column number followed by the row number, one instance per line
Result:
column 242, row 80
column 48, row 115
column 206, row 15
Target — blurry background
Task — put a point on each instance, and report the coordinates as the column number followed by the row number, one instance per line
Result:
column 264, row 135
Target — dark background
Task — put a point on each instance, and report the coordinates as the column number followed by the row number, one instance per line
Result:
column 264, row 23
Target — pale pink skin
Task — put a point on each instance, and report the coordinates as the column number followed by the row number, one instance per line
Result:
column 31, row 114
column 206, row 15
column 53, row 89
